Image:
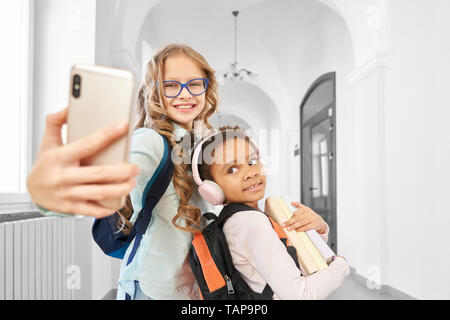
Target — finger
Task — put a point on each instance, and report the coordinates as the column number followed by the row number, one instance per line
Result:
column 100, row 174
column 298, row 224
column 290, row 221
column 84, row 208
column 100, row 192
column 323, row 229
column 298, row 205
column 307, row 227
column 52, row 134
column 91, row 209
column 294, row 220
column 96, row 142
column 300, row 212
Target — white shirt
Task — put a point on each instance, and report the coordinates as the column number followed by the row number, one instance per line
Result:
column 261, row 258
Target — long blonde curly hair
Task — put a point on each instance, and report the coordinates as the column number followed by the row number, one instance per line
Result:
column 152, row 114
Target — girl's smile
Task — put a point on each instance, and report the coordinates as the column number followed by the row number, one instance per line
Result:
column 254, row 187
column 185, row 107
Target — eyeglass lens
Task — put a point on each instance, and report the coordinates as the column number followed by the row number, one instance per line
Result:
column 195, row 87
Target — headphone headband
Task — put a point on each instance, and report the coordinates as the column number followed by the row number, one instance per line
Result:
column 197, row 150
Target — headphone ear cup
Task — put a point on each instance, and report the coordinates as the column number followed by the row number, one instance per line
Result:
column 211, row 192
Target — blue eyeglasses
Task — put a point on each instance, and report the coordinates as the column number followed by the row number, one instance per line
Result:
column 196, row 87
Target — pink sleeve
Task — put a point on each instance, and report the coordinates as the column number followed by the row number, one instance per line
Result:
column 269, row 257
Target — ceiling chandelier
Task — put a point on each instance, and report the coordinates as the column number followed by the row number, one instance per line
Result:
column 236, row 73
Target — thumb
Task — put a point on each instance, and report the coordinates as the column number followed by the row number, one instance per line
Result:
column 52, row 135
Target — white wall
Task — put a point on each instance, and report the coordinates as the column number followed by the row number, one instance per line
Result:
column 398, row 150
column 418, row 149
column 106, row 11
column 15, row 20
column 362, row 200
column 64, row 35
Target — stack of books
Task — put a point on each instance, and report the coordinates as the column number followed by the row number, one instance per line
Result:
column 312, row 251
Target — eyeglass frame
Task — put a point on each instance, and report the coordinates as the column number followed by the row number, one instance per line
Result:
column 185, row 85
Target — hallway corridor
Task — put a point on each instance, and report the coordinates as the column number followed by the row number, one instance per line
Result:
column 347, row 100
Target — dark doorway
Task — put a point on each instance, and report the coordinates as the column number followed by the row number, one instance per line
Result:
column 318, row 151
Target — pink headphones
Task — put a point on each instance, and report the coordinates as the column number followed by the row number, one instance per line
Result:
column 209, row 190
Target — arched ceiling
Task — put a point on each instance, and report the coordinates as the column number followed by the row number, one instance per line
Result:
column 215, row 16
column 270, row 33
column 265, row 30
column 355, row 15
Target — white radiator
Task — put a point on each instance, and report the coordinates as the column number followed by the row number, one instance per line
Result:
column 34, row 258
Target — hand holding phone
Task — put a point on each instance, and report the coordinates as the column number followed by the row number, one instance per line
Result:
column 58, row 183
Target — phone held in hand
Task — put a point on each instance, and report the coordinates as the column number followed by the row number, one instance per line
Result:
column 99, row 97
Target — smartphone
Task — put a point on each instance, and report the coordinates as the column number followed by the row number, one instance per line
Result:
column 99, row 97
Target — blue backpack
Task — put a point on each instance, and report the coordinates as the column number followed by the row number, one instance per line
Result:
column 105, row 232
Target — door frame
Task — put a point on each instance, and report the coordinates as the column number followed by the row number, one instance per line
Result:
column 331, row 76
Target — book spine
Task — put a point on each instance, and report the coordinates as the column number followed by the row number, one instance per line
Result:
column 325, row 251
column 305, row 258
column 317, row 257
column 310, row 247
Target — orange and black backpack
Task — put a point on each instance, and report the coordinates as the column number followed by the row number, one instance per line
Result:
column 212, row 265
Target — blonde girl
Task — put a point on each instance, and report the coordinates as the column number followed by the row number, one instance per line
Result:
column 180, row 88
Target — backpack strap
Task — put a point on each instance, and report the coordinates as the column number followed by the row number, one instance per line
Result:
column 282, row 235
column 154, row 190
column 230, row 209
column 280, row 232
column 224, row 215
column 210, row 216
column 213, row 277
